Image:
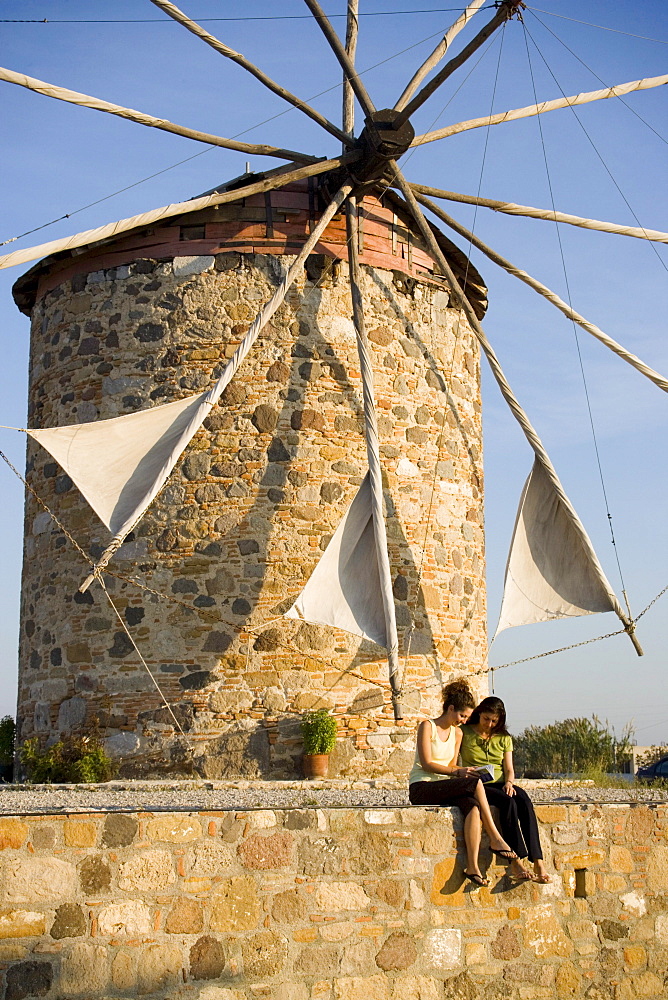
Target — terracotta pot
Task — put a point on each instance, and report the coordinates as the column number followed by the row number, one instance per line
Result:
column 316, row 765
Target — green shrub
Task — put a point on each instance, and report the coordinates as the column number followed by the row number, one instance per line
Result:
column 318, row 732
column 77, row 758
column 7, row 737
column 572, row 746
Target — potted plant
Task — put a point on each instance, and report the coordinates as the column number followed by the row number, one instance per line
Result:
column 319, row 738
column 7, row 736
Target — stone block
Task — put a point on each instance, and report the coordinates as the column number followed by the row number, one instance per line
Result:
column 263, row 954
column 417, row 988
column 289, row 908
column 123, row 972
column 337, row 896
column 442, row 948
column 320, row 960
column 506, row 945
column 69, row 922
column 13, row 833
column 635, row 957
column 79, row 833
column 39, row 880
column 209, row 857
column 657, row 868
column 72, row 711
column 551, row 814
column 235, row 905
column 568, row 981
column 185, row 266
column 28, row 979
column 159, row 968
column 397, row 953
column 119, row 830
column 447, row 887
column 543, row 933
column 185, row 917
column 362, row 988
column 131, row 917
column 380, row 817
column 584, row 858
column 567, row 833
column 264, row 853
column 174, row 829
column 84, row 969
column 94, row 875
column 207, row 958
column 635, row 904
column 148, row 871
column 621, row 859
column 21, row 923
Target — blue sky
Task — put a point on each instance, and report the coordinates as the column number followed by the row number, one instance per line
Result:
column 56, row 159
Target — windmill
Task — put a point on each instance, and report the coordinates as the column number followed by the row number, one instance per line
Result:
column 370, row 160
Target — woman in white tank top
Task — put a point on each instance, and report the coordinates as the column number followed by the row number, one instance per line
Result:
column 435, row 778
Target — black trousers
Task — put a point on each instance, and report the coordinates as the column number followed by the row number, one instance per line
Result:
column 458, row 792
column 518, row 820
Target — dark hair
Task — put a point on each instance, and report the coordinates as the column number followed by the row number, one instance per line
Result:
column 459, row 695
column 495, row 707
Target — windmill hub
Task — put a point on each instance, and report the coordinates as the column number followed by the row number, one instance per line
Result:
column 384, row 138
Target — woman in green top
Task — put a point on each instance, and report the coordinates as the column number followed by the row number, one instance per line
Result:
column 486, row 743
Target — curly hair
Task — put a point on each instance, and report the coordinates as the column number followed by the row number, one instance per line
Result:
column 459, row 695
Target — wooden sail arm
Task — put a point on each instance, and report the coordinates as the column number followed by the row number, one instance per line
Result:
column 504, row 12
column 539, row 109
column 373, row 457
column 548, row 214
column 85, row 101
column 173, row 11
column 438, row 53
column 516, row 409
column 348, row 104
column 341, row 54
column 543, row 290
column 274, row 179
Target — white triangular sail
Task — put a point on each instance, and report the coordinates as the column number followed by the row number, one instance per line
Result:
column 344, row 589
column 550, row 573
column 120, row 464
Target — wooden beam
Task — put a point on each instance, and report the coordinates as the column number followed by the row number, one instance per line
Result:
column 84, row 101
column 173, row 11
column 342, row 56
column 543, row 290
column 438, row 53
column 503, row 13
column 546, row 214
column 539, row 109
column 277, row 178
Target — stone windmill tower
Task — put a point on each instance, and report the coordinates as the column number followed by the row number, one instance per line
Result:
column 151, row 316
column 274, row 390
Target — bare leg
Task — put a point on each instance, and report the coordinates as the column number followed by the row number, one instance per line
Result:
column 496, row 841
column 472, row 835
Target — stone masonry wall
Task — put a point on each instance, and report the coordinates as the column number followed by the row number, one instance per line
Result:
column 329, row 904
column 246, row 514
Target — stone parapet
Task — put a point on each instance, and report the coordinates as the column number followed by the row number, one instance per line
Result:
column 311, row 903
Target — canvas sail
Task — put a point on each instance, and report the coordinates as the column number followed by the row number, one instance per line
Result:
column 344, row 590
column 120, row 464
column 549, row 573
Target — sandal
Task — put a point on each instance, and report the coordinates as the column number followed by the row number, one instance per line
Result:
column 524, row 876
column 477, row 880
column 541, row 879
column 506, row 854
